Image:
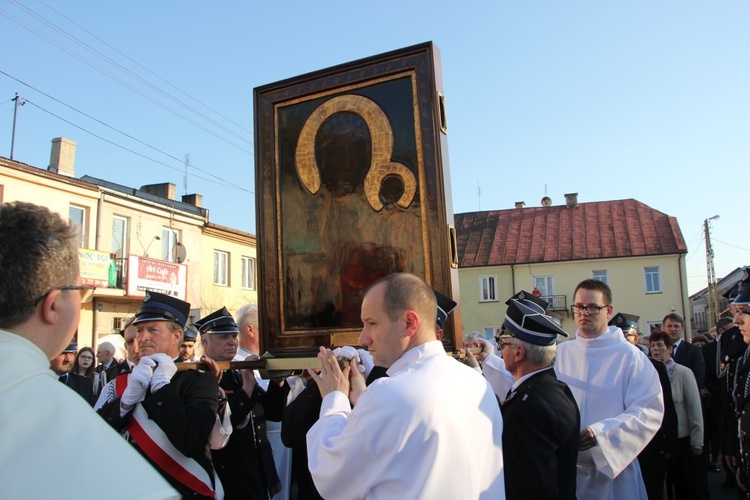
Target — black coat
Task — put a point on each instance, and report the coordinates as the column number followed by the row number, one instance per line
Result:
column 185, row 410
column 664, row 444
column 82, row 385
column 541, row 427
column 245, row 465
column 731, row 348
column 691, row 355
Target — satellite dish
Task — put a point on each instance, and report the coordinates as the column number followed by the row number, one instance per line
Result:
column 179, row 253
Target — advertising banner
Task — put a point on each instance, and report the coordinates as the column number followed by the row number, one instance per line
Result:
column 160, row 276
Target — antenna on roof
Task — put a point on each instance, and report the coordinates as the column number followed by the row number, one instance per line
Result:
column 479, row 196
column 184, row 178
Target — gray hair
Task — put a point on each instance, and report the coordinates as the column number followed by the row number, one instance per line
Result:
column 37, row 253
column 540, row 355
column 247, row 314
column 107, row 346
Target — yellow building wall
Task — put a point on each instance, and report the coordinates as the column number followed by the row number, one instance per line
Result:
column 233, row 296
column 626, row 278
column 56, row 194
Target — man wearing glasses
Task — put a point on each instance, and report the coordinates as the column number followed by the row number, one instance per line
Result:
column 618, row 394
column 40, row 307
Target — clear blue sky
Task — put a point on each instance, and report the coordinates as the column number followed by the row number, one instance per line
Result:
column 611, row 100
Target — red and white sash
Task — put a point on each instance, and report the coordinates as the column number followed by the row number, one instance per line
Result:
column 156, row 445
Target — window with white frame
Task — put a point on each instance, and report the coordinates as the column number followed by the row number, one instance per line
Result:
column 77, row 218
column 600, row 274
column 653, row 326
column 221, row 268
column 653, row 279
column 546, row 286
column 248, row 273
column 488, row 288
column 119, row 236
column 169, row 239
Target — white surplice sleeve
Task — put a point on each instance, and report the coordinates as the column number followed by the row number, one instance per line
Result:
column 499, row 378
column 337, row 450
column 622, row 437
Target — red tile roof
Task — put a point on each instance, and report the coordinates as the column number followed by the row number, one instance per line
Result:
column 599, row 230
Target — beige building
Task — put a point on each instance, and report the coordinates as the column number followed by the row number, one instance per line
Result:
column 638, row 251
column 133, row 240
column 229, row 276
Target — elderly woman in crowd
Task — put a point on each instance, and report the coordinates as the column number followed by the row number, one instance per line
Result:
column 687, row 402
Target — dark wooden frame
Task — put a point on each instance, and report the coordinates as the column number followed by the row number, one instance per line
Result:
column 421, row 65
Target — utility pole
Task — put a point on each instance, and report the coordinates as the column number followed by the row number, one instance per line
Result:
column 15, row 115
column 711, row 298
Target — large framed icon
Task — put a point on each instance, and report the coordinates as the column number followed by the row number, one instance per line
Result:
column 352, row 184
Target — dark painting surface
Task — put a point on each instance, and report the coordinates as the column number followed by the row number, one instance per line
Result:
column 350, row 212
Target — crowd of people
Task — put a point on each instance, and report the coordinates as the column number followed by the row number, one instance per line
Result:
column 527, row 416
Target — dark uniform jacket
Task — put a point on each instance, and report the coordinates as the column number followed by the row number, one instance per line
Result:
column 664, row 444
column 82, row 385
column 742, row 403
column 245, row 465
column 731, row 347
column 691, row 355
column 540, row 439
column 185, row 409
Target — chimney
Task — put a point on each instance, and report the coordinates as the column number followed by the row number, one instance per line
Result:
column 193, row 199
column 571, row 200
column 63, row 157
column 520, row 204
column 164, row 190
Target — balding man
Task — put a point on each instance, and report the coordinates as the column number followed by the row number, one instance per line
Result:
column 407, row 436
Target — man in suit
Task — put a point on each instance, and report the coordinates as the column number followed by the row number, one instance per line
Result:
column 61, row 366
column 685, row 353
column 540, row 415
column 169, row 415
column 245, row 465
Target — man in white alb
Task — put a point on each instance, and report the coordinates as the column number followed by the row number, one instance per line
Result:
column 431, row 429
column 618, row 393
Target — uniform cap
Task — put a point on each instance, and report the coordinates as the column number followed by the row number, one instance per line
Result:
column 743, row 290
column 72, row 347
column 160, row 307
column 625, row 321
column 217, row 322
column 525, row 320
column 445, row 305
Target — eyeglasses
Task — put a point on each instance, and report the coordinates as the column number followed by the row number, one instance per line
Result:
column 590, row 310
column 87, row 292
column 90, row 358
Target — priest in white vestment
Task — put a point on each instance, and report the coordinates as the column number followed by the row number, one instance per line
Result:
column 618, row 393
column 431, row 429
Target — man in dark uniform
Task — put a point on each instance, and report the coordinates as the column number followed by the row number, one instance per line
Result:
column 730, row 349
column 628, row 323
column 540, row 416
column 245, row 465
column 169, row 415
column 61, row 366
column 187, row 347
column 741, row 391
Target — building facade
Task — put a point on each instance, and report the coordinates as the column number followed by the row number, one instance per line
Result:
column 638, row 251
column 133, row 240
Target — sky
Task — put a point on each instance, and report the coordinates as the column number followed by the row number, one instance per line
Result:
column 610, row 100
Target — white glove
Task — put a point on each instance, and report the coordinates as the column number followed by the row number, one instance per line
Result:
column 367, row 363
column 349, row 352
column 138, row 382
column 163, row 372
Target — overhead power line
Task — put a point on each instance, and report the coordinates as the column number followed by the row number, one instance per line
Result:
column 142, row 66
column 224, row 181
column 123, row 83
